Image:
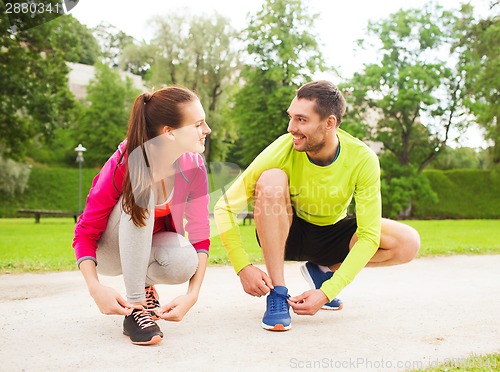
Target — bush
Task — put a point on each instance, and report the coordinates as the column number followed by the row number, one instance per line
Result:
column 462, row 193
column 49, row 188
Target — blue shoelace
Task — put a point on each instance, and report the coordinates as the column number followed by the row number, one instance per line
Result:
column 278, row 302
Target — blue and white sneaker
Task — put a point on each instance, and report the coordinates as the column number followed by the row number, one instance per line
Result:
column 277, row 315
column 315, row 278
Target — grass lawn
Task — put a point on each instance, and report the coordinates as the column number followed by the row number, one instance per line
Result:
column 27, row 247
column 482, row 363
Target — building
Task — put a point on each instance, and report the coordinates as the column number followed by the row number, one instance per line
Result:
column 80, row 75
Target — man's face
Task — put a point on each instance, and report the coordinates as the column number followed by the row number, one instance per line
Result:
column 306, row 126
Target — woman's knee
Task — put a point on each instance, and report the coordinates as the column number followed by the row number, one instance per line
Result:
column 175, row 256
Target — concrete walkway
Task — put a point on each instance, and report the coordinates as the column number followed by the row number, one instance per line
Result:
column 410, row 316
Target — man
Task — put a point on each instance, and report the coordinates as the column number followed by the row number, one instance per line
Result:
column 302, row 185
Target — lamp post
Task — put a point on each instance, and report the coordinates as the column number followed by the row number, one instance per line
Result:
column 79, row 159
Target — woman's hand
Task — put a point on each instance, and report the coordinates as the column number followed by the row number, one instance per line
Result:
column 175, row 310
column 109, row 301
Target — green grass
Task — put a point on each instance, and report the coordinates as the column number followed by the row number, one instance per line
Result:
column 481, row 363
column 29, row 247
column 447, row 237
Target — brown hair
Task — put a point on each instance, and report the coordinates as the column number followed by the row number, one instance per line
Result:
column 150, row 113
column 329, row 99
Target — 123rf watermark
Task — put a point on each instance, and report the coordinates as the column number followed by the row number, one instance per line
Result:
column 381, row 364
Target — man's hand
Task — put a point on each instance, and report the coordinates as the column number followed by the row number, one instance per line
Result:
column 309, row 302
column 255, row 282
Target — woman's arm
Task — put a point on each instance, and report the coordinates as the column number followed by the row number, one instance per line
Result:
column 107, row 299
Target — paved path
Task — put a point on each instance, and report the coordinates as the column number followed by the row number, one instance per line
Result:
column 408, row 316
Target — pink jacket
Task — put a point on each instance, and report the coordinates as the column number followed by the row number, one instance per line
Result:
column 189, row 201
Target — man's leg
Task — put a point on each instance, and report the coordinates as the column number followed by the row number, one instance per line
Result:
column 399, row 243
column 273, row 218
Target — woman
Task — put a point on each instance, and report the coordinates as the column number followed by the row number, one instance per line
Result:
column 133, row 222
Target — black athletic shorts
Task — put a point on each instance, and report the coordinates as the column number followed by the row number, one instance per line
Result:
column 322, row 245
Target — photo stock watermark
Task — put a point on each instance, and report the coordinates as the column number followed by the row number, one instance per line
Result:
column 382, row 364
column 26, row 14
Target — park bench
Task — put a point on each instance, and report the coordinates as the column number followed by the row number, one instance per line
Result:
column 247, row 216
column 39, row 212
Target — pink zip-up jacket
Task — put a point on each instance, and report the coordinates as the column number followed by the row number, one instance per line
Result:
column 189, row 201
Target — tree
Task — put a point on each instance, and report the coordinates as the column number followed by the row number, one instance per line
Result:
column 284, row 53
column 104, row 122
column 34, row 96
column 413, row 91
column 138, row 58
column 112, row 42
column 480, row 59
column 196, row 52
column 460, row 158
column 74, row 40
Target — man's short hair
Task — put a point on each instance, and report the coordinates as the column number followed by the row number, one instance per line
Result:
column 329, row 100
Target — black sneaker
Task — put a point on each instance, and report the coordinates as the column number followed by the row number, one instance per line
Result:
column 141, row 328
column 152, row 301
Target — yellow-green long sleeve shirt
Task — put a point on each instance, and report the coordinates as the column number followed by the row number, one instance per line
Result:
column 319, row 195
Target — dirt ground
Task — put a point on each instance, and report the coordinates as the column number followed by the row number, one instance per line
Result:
column 395, row 318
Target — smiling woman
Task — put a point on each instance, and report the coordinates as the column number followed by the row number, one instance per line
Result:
column 134, row 220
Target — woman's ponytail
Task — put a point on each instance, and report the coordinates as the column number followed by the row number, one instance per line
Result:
column 150, row 113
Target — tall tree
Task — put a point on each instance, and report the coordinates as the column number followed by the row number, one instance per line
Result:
column 196, row 52
column 112, row 42
column 34, row 94
column 104, row 120
column 479, row 49
column 284, row 53
column 412, row 93
column 74, row 39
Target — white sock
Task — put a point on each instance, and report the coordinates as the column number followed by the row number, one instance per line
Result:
column 325, row 269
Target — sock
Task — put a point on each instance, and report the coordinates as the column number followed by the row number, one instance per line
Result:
column 324, row 269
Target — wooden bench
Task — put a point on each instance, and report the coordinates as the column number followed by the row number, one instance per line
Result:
column 245, row 215
column 39, row 212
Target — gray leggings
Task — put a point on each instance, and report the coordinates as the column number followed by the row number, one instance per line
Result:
column 143, row 258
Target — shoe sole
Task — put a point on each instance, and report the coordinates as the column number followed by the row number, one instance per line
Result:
column 154, row 340
column 276, row 327
column 310, row 282
column 331, row 308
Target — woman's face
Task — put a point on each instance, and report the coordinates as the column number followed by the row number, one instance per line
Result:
column 191, row 135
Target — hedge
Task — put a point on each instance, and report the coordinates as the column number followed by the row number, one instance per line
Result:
column 49, row 188
column 462, row 193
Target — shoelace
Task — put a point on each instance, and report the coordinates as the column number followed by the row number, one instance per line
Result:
column 278, row 302
column 151, row 298
column 143, row 319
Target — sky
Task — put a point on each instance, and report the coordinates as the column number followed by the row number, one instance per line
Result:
column 339, row 25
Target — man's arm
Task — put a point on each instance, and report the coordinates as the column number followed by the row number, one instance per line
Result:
column 235, row 200
column 369, row 219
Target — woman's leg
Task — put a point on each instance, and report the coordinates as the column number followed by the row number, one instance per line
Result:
column 125, row 249
column 173, row 259
column 108, row 251
column 135, row 250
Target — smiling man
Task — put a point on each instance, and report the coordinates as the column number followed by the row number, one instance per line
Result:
column 302, row 185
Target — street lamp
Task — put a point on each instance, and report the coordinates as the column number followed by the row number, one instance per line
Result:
column 79, row 159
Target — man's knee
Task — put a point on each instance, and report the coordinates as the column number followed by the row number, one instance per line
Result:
column 272, row 184
column 409, row 244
